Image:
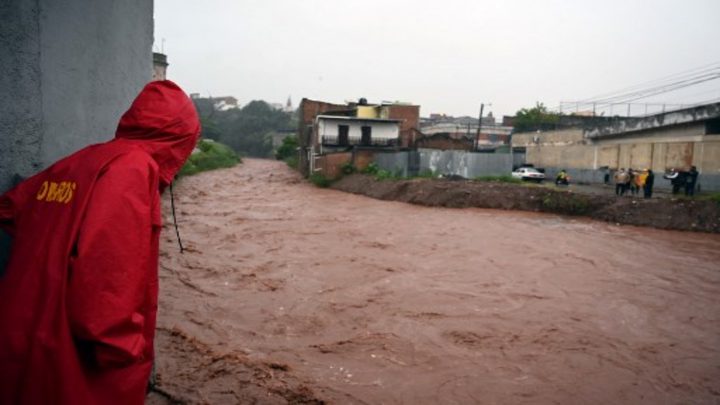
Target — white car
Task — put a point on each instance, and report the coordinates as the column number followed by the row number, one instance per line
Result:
column 529, row 174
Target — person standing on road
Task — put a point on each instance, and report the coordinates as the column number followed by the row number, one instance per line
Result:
column 79, row 295
column 639, row 180
column 630, row 185
column 620, row 181
column 649, row 182
column 690, row 181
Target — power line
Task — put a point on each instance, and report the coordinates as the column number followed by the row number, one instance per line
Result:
column 673, row 77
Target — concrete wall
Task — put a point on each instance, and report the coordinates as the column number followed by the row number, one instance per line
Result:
column 70, row 69
column 659, row 149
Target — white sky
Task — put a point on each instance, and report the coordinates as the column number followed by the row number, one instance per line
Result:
column 447, row 56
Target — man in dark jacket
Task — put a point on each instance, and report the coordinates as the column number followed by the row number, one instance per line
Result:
column 690, row 181
column 79, row 296
column 649, row 182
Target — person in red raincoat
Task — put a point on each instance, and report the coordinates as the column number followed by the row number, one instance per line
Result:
column 78, row 299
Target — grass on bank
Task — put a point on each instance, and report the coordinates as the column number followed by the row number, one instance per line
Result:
column 711, row 197
column 506, row 178
column 211, row 155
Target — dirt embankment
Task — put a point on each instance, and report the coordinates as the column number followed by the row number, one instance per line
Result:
column 676, row 214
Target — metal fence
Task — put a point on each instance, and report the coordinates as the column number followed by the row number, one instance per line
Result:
column 449, row 162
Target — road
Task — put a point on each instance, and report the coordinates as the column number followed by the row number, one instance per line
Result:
column 347, row 299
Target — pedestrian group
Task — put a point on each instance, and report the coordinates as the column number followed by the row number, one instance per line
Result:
column 633, row 181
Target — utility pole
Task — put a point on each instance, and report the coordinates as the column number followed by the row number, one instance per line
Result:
column 477, row 137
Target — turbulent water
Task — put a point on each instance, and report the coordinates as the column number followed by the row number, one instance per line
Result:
column 365, row 301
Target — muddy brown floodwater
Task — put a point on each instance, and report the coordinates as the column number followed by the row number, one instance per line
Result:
column 293, row 294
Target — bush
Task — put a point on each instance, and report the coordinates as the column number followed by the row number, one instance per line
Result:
column 427, row 174
column 288, row 149
column 347, row 168
column 212, row 155
column 372, row 168
column 565, row 203
column 383, row 175
column 319, row 180
column 292, row 162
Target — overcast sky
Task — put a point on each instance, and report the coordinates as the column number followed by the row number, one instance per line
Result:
column 447, row 56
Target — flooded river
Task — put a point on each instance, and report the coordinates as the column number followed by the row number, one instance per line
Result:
column 367, row 301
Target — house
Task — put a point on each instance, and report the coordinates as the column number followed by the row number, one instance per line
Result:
column 352, row 129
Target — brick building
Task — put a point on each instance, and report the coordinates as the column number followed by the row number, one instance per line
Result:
column 325, row 128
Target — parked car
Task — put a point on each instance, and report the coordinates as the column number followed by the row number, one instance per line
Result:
column 529, row 174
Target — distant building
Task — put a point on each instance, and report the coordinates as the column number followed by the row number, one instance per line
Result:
column 225, row 103
column 490, row 136
column 205, row 105
column 287, row 107
column 159, row 66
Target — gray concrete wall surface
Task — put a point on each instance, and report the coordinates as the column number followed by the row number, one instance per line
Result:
column 21, row 102
column 70, row 69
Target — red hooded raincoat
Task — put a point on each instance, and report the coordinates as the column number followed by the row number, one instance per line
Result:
column 79, row 296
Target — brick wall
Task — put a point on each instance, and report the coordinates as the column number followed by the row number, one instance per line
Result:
column 444, row 142
column 410, row 120
column 330, row 165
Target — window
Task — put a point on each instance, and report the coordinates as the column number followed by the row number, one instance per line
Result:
column 366, row 138
column 343, row 131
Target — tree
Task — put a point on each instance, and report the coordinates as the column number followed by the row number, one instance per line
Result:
column 246, row 130
column 536, row 118
column 288, row 149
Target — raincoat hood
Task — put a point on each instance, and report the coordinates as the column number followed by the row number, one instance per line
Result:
column 164, row 120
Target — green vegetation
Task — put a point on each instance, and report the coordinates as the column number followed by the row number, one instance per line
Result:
column 348, row 168
column 711, row 197
column 506, row 178
column 384, row 175
column 212, row 155
column 292, row 162
column 566, row 203
column 381, row 174
column 319, row 180
column 288, row 149
column 246, row 130
column 287, row 152
column 536, row 118
column 427, row 174
column 372, row 168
